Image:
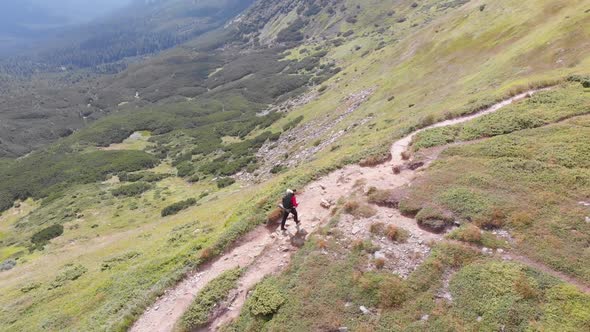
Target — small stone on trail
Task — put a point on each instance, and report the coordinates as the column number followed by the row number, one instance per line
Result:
column 425, row 317
column 588, row 219
column 343, row 329
column 364, row 310
column 500, row 250
column 479, row 318
column 325, row 204
column 323, row 187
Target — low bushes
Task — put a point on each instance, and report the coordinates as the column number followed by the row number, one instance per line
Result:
column 473, row 234
column 392, row 232
column 142, row 176
column 178, row 206
column 225, row 182
column 468, row 233
column 266, row 299
column 293, row 123
column 133, row 189
column 43, row 236
column 119, row 259
column 70, row 272
column 199, row 312
column 277, row 169
column 387, row 290
column 397, row 234
column 434, row 219
column 359, row 210
column 388, row 198
column 375, row 160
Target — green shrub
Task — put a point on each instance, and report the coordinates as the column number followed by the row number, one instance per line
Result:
column 277, row 169
column 434, row 218
column 359, row 210
column 133, row 189
column 291, row 33
column 119, row 259
column 45, row 235
column 185, row 168
column 197, row 315
column 293, row 123
column 409, row 207
column 467, row 233
column 382, row 289
column 225, row 182
column 142, row 176
column 266, row 299
column 178, row 206
column 70, row 272
column 397, row 234
column 30, row 287
column 194, row 178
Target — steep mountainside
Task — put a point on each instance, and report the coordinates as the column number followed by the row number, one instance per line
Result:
column 189, row 150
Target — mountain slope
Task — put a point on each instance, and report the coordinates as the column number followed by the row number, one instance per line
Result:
column 356, row 75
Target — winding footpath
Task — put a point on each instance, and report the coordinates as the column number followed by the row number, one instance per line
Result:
column 265, row 251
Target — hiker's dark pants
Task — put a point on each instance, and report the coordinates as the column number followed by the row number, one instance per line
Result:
column 286, row 214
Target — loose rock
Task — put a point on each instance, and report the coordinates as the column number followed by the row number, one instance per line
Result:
column 364, row 310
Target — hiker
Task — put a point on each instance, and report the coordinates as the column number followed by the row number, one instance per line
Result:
column 289, row 205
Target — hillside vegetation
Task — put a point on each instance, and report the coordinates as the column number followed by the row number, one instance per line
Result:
column 155, row 170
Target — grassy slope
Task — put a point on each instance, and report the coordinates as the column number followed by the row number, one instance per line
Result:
column 532, row 181
column 437, row 71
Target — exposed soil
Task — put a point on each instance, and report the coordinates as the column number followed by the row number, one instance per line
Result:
column 265, row 250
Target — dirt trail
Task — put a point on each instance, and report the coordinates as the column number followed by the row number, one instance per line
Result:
column 265, row 251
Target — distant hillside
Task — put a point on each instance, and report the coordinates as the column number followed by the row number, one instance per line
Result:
column 23, row 22
column 143, row 27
